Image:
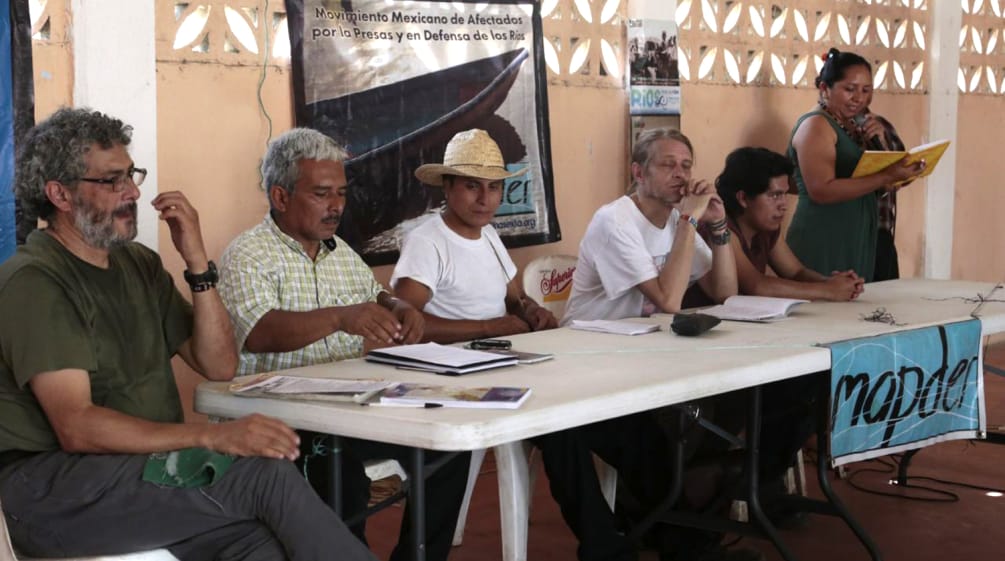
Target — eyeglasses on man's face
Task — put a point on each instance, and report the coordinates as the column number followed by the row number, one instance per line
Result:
column 119, row 182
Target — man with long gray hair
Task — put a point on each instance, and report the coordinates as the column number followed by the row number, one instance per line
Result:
column 299, row 295
column 95, row 456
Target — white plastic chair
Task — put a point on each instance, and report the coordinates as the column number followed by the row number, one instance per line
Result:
column 7, row 551
column 375, row 470
column 548, row 280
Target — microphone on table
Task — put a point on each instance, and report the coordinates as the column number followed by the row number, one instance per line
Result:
column 873, row 143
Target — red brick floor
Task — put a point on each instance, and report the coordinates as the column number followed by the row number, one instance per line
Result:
column 970, row 529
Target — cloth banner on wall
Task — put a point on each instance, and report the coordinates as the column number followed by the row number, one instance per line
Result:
column 901, row 391
column 395, row 80
column 653, row 76
column 16, row 115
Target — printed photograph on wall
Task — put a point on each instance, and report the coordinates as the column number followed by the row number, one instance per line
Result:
column 653, row 76
column 394, row 80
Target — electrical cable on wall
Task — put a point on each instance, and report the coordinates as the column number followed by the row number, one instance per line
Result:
column 261, row 79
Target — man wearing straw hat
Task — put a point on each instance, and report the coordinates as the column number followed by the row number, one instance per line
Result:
column 455, row 269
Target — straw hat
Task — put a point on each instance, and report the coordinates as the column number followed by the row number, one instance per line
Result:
column 470, row 153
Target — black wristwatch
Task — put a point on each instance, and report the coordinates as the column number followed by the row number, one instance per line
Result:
column 203, row 281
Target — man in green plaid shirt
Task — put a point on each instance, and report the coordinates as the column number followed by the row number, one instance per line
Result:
column 299, row 295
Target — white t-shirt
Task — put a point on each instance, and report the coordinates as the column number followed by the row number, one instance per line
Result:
column 467, row 278
column 620, row 250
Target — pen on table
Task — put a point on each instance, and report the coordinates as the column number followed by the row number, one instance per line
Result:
column 418, row 405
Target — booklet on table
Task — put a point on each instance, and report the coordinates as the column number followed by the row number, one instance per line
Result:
column 447, row 396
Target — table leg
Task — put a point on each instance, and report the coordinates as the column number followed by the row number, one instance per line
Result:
column 335, row 475
column 676, row 482
column 823, row 453
column 417, row 497
column 752, row 459
column 514, row 498
column 905, row 463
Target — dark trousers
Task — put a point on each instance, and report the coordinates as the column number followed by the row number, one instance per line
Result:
column 638, row 447
column 572, row 478
column 74, row 505
column 887, row 264
column 788, row 419
column 444, row 489
column 790, row 409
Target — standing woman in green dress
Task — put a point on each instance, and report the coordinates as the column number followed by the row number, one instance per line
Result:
column 835, row 225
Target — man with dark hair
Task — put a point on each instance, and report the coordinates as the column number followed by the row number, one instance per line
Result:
column 299, row 295
column 753, row 187
column 95, row 457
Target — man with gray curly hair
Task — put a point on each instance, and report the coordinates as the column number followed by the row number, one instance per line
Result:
column 95, row 456
column 299, row 295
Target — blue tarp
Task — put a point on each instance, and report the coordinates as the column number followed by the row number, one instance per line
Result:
column 7, row 234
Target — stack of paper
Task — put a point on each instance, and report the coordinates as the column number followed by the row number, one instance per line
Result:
column 753, row 308
column 616, row 327
column 441, row 359
column 482, row 398
column 298, row 387
column 523, row 357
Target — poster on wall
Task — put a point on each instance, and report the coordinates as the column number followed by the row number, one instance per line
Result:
column 653, row 76
column 394, row 80
column 15, row 116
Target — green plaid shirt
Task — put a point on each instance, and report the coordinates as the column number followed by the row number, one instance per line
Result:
column 264, row 269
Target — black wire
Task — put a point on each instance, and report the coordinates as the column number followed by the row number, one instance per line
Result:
column 266, row 24
column 890, row 467
column 958, row 484
column 940, row 495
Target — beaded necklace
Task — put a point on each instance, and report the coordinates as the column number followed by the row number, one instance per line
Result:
column 854, row 133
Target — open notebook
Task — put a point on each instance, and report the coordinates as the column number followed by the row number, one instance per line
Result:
column 753, row 308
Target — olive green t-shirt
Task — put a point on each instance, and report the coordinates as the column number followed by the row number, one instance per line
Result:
column 121, row 324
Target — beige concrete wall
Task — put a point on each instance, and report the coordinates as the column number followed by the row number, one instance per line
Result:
column 212, row 134
column 721, row 118
column 52, row 67
column 211, row 137
column 978, row 227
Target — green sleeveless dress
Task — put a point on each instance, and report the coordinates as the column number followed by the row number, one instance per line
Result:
column 837, row 236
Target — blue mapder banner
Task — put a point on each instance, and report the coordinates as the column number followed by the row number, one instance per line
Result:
column 906, row 390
